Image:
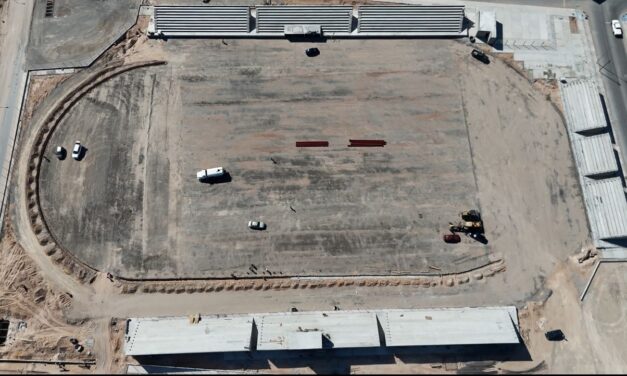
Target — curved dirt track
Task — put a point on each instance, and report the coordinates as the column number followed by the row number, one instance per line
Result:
column 532, row 262
column 133, row 208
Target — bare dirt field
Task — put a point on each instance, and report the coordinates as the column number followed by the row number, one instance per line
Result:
column 125, row 200
column 133, row 207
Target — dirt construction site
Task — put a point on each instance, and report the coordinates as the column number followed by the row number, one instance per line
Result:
column 127, row 229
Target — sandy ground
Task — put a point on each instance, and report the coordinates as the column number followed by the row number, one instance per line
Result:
column 39, row 88
column 374, row 211
column 536, row 220
column 37, row 328
column 594, row 329
column 353, row 212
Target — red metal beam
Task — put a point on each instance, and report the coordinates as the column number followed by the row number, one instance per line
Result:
column 367, row 143
column 312, row 144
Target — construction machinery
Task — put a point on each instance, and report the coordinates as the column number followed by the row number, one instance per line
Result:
column 466, row 227
column 471, row 215
column 472, row 226
column 455, row 228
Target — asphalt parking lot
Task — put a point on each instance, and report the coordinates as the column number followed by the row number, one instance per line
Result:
column 133, row 205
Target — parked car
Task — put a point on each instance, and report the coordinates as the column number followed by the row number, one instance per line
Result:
column 479, row 55
column 451, row 238
column 617, row 29
column 59, row 151
column 77, row 151
column 256, row 225
column 312, row 52
column 555, row 335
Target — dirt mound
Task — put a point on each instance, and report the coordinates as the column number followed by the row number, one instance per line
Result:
column 37, row 327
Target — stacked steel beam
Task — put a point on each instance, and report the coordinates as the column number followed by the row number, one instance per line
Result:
column 310, row 144
column 367, row 143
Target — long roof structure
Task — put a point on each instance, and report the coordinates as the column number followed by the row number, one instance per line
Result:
column 199, row 21
column 322, row 330
column 468, row 326
column 410, row 19
column 262, row 21
column 176, row 335
column 582, row 106
column 594, row 154
column 607, row 207
column 317, row 330
column 332, row 19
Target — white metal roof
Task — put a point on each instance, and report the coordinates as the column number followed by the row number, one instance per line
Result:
column 321, row 330
column 432, row 327
column 332, row 19
column 410, row 19
column 594, row 154
column 336, row 20
column 582, row 106
column 487, row 21
column 201, row 20
column 176, row 335
column 305, row 330
column 607, row 207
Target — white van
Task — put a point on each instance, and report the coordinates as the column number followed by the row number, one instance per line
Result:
column 210, row 173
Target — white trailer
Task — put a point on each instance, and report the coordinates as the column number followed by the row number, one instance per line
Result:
column 210, row 173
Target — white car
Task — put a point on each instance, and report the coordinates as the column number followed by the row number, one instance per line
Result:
column 256, row 225
column 617, row 29
column 77, row 151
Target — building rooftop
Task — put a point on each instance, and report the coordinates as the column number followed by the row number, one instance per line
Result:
column 470, row 326
column 595, row 154
column 607, row 207
column 317, row 330
column 177, row 335
column 322, row 330
column 582, row 106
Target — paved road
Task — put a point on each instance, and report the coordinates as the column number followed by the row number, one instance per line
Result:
column 613, row 66
column 13, row 43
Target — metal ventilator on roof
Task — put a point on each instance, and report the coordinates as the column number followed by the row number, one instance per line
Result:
column 332, row 19
column 410, row 20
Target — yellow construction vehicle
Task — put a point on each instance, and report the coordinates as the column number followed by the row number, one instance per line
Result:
column 471, row 215
column 472, row 225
